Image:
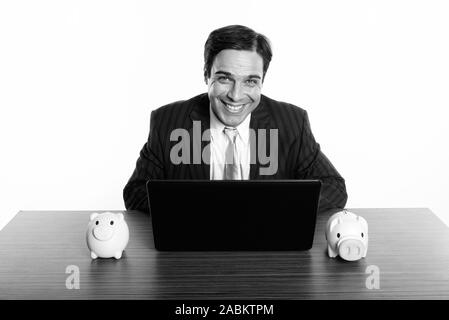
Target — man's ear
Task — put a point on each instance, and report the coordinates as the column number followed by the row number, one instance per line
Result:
column 93, row 216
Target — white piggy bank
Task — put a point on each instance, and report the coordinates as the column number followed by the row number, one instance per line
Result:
column 347, row 236
column 107, row 235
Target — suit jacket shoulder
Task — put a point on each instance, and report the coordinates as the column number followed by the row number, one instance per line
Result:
column 288, row 118
column 179, row 108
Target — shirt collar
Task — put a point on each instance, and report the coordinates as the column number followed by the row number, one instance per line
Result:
column 217, row 127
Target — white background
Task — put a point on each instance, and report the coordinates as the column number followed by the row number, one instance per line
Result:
column 78, row 80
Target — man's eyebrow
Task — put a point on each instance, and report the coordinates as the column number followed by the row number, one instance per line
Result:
column 223, row 72
column 252, row 76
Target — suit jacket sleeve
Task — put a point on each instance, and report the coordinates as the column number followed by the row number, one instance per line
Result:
column 149, row 165
column 313, row 164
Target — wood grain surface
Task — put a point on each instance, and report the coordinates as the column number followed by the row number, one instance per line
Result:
column 409, row 246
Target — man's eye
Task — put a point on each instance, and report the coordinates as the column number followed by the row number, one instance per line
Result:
column 251, row 82
column 224, row 79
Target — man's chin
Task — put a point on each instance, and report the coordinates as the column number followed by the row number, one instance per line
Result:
column 233, row 120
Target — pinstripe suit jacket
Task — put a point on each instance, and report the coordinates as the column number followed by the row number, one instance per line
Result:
column 299, row 155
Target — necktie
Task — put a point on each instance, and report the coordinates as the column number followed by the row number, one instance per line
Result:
column 232, row 170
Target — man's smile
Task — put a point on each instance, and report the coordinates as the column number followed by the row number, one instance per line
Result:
column 233, row 107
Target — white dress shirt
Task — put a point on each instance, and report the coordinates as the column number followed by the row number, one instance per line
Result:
column 219, row 143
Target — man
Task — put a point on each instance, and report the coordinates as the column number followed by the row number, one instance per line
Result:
column 224, row 134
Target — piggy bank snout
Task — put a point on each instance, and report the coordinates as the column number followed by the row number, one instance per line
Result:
column 350, row 249
column 103, row 233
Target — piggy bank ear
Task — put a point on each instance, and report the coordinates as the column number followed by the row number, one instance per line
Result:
column 334, row 223
column 93, row 216
column 363, row 222
column 120, row 216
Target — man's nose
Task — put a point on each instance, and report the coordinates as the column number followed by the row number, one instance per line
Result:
column 236, row 92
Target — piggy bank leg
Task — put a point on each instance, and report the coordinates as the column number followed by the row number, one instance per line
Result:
column 93, row 255
column 331, row 252
column 118, row 255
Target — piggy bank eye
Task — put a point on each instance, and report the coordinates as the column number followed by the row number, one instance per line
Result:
column 111, row 223
column 338, row 235
column 97, row 222
column 362, row 234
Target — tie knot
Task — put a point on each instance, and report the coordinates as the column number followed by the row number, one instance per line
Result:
column 231, row 133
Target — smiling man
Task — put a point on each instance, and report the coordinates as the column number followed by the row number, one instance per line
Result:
column 233, row 131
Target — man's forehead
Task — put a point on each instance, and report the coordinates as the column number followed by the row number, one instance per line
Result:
column 238, row 62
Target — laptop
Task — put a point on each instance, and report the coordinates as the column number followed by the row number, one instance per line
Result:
column 216, row 215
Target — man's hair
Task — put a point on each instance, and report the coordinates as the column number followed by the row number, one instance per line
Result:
column 235, row 37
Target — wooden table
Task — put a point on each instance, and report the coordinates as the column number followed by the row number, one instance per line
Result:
column 410, row 247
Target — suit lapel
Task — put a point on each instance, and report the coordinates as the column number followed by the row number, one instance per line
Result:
column 260, row 119
column 199, row 112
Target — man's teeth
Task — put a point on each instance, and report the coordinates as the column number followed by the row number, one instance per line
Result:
column 234, row 108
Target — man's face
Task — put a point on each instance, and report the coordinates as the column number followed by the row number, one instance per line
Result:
column 235, row 85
